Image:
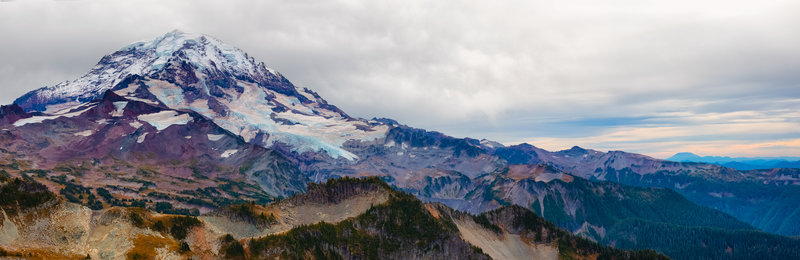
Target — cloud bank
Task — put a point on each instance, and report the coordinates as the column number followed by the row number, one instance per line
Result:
column 656, row 77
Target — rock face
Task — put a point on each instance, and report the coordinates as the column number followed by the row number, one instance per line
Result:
column 12, row 113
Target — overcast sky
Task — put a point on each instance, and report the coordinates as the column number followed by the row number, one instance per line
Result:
column 718, row 77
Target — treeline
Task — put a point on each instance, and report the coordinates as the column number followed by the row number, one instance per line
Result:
column 570, row 246
column 704, row 242
column 607, row 203
column 403, row 226
column 19, row 194
column 400, row 225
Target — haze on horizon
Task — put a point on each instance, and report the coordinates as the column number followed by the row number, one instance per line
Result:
column 654, row 77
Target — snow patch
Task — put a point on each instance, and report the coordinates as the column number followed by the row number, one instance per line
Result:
column 142, row 100
column 293, row 103
column 314, row 133
column 84, row 133
column 164, row 119
column 119, row 108
column 39, row 119
column 166, row 92
column 490, row 143
column 127, row 91
column 305, row 93
column 136, row 124
column 33, row 120
column 249, row 115
column 215, row 137
column 141, row 138
column 228, row 153
column 61, row 108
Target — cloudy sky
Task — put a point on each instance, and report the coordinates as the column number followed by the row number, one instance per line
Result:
column 714, row 77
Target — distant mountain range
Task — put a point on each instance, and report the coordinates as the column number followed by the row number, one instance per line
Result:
column 185, row 124
column 740, row 163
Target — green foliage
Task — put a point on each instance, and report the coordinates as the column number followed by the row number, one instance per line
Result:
column 4, row 176
column 73, row 191
column 38, row 172
column 704, row 242
column 136, row 219
column 102, row 192
column 136, row 256
column 246, row 166
column 484, row 222
column 76, row 193
column 320, row 239
column 3, row 252
column 334, row 182
column 13, row 165
column 231, row 248
column 162, row 206
column 248, row 212
column 384, row 230
column 405, row 217
column 78, row 171
column 167, row 208
column 159, row 226
column 768, row 207
column 18, row 194
column 184, row 248
column 181, row 225
column 220, row 196
column 660, row 219
column 605, row 204
column 570, row 246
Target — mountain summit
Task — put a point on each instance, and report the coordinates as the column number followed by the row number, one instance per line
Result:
column 186, row 71
column 203, row 53
column 148, row 58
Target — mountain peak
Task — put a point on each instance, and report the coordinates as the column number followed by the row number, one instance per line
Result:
column 577, row 148
column 176, row 32
column 200, row 50
column 177, row 50
column 189, row 71
column 684, row 157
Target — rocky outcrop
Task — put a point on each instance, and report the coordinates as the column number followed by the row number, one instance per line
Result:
column 11, row 113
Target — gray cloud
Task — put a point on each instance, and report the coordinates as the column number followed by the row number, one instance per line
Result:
column 556, row 72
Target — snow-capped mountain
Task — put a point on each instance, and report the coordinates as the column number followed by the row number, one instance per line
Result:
column 190, row 120
column 196, row 72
